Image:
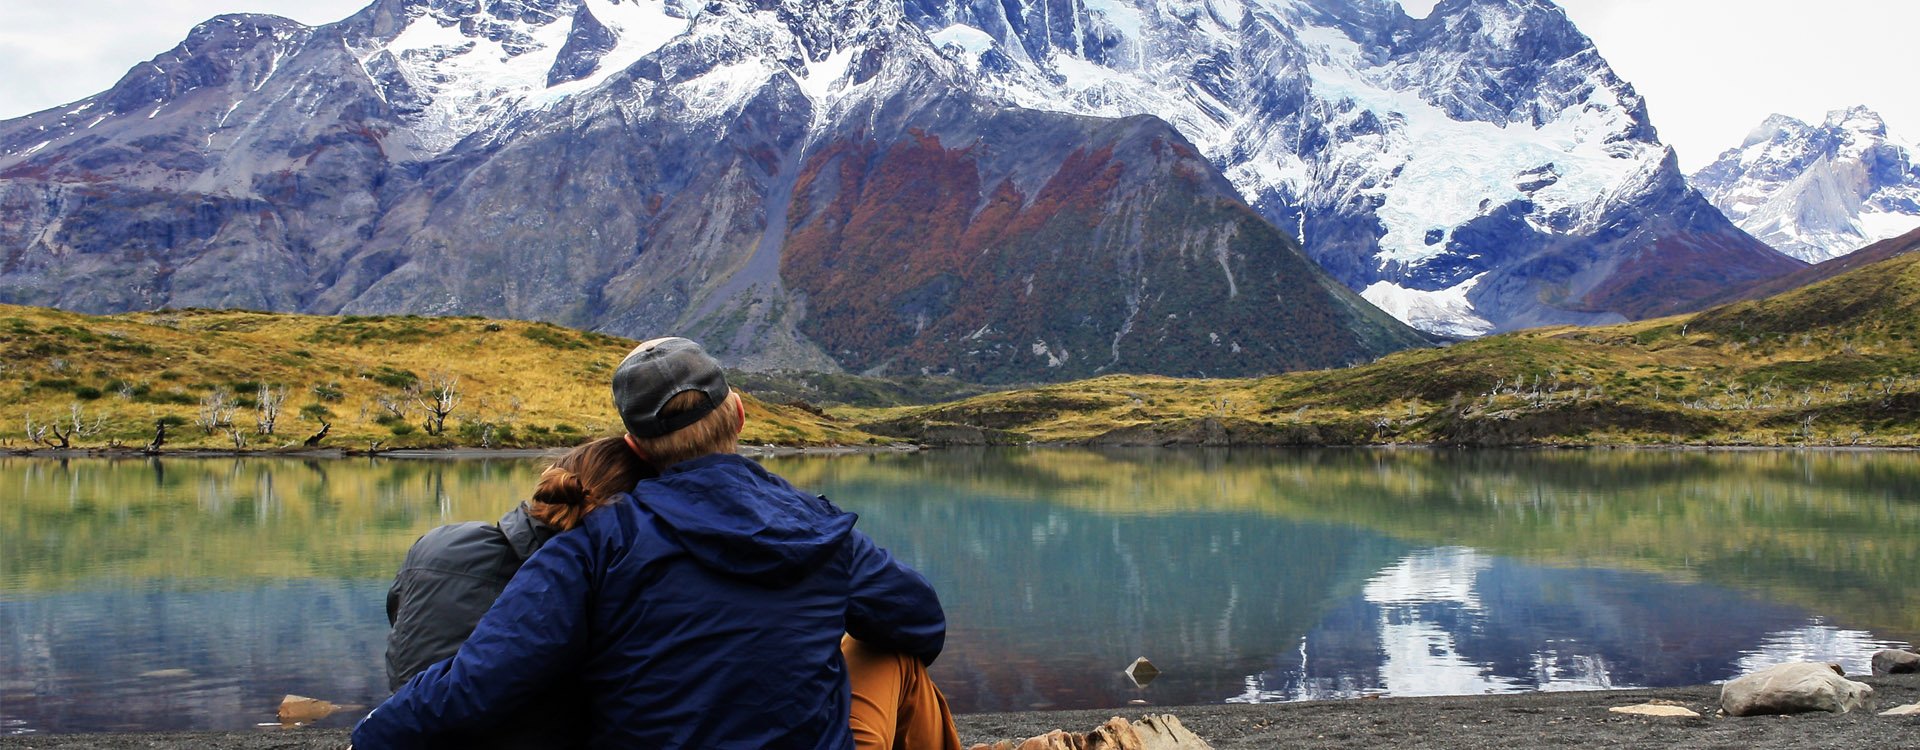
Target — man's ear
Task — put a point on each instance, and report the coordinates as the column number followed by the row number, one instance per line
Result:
column 634, row 445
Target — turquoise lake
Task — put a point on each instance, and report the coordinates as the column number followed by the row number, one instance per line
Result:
column 192, row 593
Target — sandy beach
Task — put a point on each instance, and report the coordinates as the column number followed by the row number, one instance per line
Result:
column 1530, row 720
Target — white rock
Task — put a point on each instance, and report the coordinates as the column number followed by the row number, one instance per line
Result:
column 1793, row 688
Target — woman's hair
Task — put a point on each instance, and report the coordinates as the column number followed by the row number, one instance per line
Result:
column 584, row 479
column 717, row 432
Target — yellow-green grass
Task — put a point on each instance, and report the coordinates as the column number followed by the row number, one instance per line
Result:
column 1830, row 364
column 519, row 384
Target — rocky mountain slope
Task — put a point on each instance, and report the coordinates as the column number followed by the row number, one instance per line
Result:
column 1818, row 192
column 807, row 185
column 1000, row 192
column 1479, row 169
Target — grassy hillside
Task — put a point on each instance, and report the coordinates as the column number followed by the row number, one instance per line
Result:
column 511, row 384
column 1829, row 364
column 1833, row 363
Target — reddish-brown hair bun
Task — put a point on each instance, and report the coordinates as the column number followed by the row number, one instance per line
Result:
column 587, row 477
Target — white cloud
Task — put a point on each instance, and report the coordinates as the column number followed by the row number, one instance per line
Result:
column 52, row 53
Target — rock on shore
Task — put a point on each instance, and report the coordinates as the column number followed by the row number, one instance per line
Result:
column 1793, row 688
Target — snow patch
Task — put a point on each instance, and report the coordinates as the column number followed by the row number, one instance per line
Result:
column 1054, row 359
column 821, row 75
column 1455, row 171
column 723, row 90
column 1446, row 312
column 1125, row 18
column 1880, row 225
column 969, row 39
column 642, row 27
column 470, row 81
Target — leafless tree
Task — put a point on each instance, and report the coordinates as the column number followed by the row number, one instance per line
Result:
column 216, row 411
column 270, row 400
column 60, row 435
column 78, row 425
column 397, row 405
column 438, row 396
column 1806, row 425
column 48, row 434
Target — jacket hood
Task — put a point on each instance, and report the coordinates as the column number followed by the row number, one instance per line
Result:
column 735, row 517
column 524, row 533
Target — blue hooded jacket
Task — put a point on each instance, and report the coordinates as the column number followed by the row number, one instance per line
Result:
column 704, row 611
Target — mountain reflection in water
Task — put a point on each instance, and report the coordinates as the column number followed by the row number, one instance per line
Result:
column 194, row 593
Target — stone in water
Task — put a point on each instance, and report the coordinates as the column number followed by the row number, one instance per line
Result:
column 1142, row 672
column 298, row 709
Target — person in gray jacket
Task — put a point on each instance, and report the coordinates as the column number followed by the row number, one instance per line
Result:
column 452, row 575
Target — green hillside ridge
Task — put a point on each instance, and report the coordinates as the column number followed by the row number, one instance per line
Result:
column 1829, row 364
column 105, row 381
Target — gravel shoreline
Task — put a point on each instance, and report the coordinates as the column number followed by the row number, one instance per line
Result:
column 1527, row 720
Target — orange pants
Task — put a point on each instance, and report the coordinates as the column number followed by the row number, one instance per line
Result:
column 895, row 705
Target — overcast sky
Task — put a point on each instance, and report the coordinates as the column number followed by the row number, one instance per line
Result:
column 1710, row 70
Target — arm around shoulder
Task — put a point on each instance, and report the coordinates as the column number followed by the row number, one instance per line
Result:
column 892, row 606
column 536, row 630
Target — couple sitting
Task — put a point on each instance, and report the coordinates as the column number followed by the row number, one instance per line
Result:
column 672, row 595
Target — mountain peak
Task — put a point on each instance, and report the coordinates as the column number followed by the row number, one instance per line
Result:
column 1857, row 119
column 213, row 54
column 245, row 25
column 1818, row 193
column 1775, row 127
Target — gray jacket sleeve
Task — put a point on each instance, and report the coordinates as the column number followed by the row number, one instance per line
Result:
column 449, row 579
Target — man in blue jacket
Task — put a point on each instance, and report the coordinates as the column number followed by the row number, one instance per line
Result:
column 706, row 610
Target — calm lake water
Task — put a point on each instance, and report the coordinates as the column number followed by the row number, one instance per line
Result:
column 194, row 593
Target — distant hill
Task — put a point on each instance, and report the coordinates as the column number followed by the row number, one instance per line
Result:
column 1831, row 363
column 509, row 383
column 1866, row 256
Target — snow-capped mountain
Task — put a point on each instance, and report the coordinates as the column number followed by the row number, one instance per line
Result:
column 1818, row 192
column 1470, row 171
column 795, row 183
column 1003, row 191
